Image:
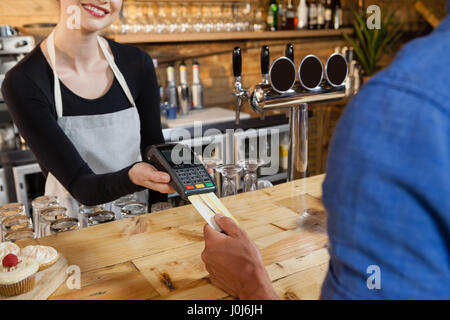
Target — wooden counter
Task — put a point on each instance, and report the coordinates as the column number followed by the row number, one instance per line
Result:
column 157, row 256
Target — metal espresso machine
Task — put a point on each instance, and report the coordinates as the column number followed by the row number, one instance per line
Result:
column 284, row 86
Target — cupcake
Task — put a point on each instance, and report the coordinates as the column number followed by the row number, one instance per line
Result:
column 17, row 275
column 8, row 247
column 45, row 256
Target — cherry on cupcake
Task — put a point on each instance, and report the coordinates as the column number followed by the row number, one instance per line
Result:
column 10, row 260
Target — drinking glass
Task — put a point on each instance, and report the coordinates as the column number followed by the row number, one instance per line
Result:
column 173, row 18
column 229, row 173
column 39, row 204
column 250, row 167
column 161, row 26
column 47, row 217
column 85, row 211
column 133, row 208
column 100, row 217
column 9, row 210
column 161, row 206
column 63, row 225
column 150, row 18
column 119, row 203
column 15, row 223
column 264, row 184
column 22, row 234
column 197, row 17
column 185, row 22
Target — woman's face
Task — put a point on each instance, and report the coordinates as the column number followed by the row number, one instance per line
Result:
column 94, row 15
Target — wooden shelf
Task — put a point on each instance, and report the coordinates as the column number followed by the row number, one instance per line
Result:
column 226, row 36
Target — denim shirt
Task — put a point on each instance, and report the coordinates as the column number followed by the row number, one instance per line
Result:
column 387, row 189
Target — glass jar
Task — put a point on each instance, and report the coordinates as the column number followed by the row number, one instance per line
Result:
column 63, row 225
column 229, row 174
column 21, row 234
column 48, row 216
column 39, row 204
column 15, row 223
column 8, row 210
column 161, row 206
column 85, row 211
column 119, row 203
column 133, row 208
column 11, row 209
column 100, row 217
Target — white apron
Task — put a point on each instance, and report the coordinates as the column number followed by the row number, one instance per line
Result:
column 106, row 142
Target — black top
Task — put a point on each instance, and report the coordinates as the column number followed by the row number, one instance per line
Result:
column 28, row 92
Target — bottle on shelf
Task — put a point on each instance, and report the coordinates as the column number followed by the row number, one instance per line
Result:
column 183, row 90
column 337, row 15
column 320, row 14
column 281, row 18
column 328, row 14
column 312, row 24
column 171, row 92
column 272, row 16
column 291, row 18
column 197, row 87
column 361, row 9
column 302, row 15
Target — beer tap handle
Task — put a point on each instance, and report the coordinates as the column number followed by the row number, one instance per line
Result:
column 237, row 62
column 238, row 91
column 265, row 61
column 290, row 52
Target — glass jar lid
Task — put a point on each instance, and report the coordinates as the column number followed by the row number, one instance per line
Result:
column 44, row 202
column 19, row 235
column 64, row 224
column 16, row 222
column 52, row 214
column 101, row 217
column 134, row 208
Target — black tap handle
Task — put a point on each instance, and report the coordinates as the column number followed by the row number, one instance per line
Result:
column 290, row 52
column 237, row 62
column 265, row 59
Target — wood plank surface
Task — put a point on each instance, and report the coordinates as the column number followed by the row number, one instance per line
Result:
column 157, row 256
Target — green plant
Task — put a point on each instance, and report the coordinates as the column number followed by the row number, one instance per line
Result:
column 369, row 44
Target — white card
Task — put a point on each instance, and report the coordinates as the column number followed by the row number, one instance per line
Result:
column 208, row 205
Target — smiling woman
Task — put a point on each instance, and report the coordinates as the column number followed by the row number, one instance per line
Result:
column 88, row 107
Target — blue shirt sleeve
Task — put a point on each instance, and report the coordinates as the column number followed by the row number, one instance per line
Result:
column 387, row 193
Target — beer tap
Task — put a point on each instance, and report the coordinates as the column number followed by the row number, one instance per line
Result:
column 241, row 93
column 265, row 63
column 289, row 53
column 282, row 90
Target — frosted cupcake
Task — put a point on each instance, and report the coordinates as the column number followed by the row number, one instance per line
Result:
column 8, row 247
column 44, row 255
column 17, row 275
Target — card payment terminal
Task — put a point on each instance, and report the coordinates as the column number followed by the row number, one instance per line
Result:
column 188, row 175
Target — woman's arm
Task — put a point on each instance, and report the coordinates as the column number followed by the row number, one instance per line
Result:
column 32, row 113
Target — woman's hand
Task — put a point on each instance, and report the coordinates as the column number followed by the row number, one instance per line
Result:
column 234, row 262
column 145, row 175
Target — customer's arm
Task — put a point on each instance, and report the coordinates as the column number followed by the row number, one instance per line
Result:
column 234, row 262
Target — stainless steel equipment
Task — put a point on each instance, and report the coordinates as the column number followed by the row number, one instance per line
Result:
column 13, row 47
column 285, row 91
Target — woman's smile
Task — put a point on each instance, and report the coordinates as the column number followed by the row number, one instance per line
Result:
column 95, row 10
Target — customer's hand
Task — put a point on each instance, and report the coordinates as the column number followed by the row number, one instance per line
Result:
column 234, row 262
column 145, row 175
